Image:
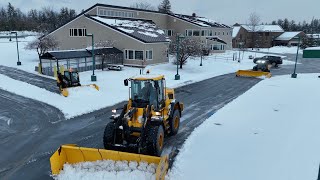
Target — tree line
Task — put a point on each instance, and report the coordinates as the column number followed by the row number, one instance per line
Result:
column 44, row 20
column 306, row 27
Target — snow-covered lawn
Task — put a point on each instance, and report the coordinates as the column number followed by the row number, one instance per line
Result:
column 112, row 90
column 8, row 50
column 270, row 132
column 281, row 50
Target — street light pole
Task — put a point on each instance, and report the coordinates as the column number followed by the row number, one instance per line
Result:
column 93, row 76
column 177, row 76
column 294, row 75
column 18, row 62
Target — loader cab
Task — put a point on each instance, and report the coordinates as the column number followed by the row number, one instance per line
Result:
column 147, row 91
column 72, row 78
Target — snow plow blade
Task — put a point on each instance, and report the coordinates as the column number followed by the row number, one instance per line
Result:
column 72, row 154
column 65, row 91
column 249, row 73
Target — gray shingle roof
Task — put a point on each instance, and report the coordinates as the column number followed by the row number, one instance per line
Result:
column 143, row 30
column 200, row 21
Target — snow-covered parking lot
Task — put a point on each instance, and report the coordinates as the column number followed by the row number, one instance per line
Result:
column 270, row 132
column 112, row 91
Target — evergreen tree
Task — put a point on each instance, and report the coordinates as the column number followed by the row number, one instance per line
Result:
column 165, row 6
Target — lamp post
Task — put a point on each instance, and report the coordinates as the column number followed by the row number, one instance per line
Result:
column 177, row 76
column 294, row 75
column 18, row 62
column 93, row 76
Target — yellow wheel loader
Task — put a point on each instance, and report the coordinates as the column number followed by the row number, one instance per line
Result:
column 69, row 79
column 152, row 113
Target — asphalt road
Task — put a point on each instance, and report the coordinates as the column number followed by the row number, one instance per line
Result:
column 36, row 130
column 39, row 81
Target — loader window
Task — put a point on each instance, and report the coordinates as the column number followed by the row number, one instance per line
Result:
column 143, row 93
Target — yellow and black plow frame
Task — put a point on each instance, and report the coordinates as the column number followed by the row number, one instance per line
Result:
column 250, row 73
column 72, row 154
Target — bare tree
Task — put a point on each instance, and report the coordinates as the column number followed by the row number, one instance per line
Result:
column 105, row 44
column 143, row 5
column 42, row 45
column 188, row 48
column 254, row 22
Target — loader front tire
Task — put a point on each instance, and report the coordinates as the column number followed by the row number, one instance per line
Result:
column 108, row 136
column 175, row 123
column 155, row 140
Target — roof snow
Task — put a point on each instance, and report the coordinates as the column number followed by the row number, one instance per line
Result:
column 201, row 21
column 263, row 28
column 144, row 30
column 235, row 31
column 287, row 36
column 313, row 35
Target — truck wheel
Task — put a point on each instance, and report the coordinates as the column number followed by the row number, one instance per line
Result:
column 108, row 136
column 155, row 140
column 175, row 123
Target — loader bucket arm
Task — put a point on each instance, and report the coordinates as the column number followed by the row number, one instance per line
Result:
column 71, row 154
column 249, row 73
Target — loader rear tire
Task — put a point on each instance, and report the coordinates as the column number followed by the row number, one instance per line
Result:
column 175, row 123
column 108, row 136
column 155, row 140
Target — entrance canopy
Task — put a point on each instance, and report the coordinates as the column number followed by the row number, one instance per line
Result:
column 81, row 53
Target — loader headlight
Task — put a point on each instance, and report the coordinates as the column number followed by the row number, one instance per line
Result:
column 158, row 113
column 114, row 111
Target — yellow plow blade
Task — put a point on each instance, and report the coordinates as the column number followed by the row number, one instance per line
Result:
column 94, row 86
column 71, row 154
column 65, row 91
column 249, row 73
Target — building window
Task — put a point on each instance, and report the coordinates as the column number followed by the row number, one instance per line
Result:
column 215, row 33
column 76, row 32
column 210, row 33
column 222, row 33
column 188, row 32
column 196, row 33
column 104, row 12
column 139, row 55
column 130, row 54
column 149, row 54
column 169, row 32
column 203, row 32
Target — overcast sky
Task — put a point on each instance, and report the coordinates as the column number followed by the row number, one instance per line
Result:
column 225, row 11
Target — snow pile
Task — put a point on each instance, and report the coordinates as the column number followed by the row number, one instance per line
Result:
column 270, row 132
column 281, row 50
column 313, row 48
column 108, row 169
